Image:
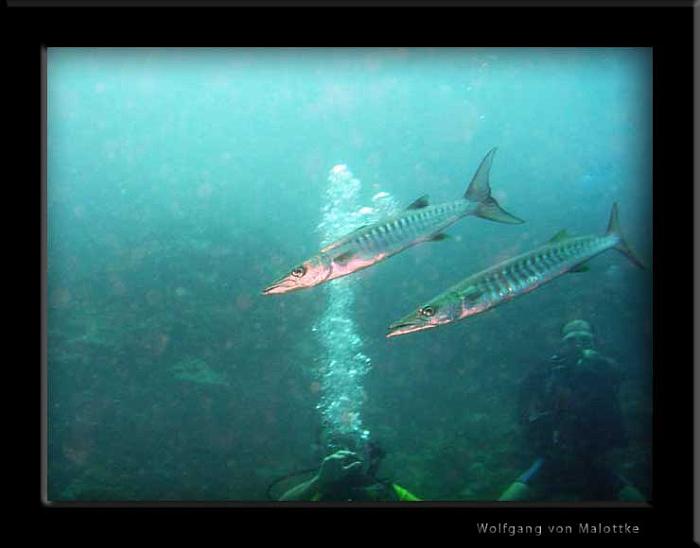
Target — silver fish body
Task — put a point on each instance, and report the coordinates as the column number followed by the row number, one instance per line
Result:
column 373, row 243
column 512, row 278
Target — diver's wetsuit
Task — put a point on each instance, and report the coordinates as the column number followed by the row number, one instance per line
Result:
column 572, row 418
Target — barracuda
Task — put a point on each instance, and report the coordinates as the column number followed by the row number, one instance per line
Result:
column 418, row 223
column 513, row 278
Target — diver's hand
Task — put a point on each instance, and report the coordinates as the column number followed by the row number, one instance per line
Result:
column 337, row 466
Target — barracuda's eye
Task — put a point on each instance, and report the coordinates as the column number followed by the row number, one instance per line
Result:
column 427, row 311
column 299, row 271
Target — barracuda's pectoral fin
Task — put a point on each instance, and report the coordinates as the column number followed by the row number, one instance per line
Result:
column 559, row 237
column 419, row 203
column 472, row 294
column 344, row 258
column 440, row 236
column 583, row 267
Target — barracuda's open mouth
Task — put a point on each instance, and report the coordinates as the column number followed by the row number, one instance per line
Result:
column 282, row 286
column 403, row 328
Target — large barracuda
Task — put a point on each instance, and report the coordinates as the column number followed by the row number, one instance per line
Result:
column 514, row 277
column 418, row 223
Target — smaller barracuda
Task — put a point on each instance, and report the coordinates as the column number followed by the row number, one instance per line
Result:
column 514, row 277
column 372, row 243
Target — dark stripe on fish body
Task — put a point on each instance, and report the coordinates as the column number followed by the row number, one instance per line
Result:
column 511, row 279
column 404, row 226
column 395, row 230
column 562, row 254
column 375, row 239
column 417, row 222
column 481, row 286
column 424, row 224
column 414, row 228
column 530, row 271
column 545, row 261
column 369, row 242
column 495, row 287
column 394, row 235
column 388, row 235
column 521, row 272
column 539, row 263
column 517, row 273
column 357, row 242
column 500, row 280
column 490, row 287
column 363, row 241
column 529, row 267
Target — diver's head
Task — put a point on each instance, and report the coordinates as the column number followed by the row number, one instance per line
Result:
column 576, row 339
column 578, row 333
column 312, row 272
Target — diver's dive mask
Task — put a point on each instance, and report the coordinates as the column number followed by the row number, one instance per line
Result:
column 572, row 348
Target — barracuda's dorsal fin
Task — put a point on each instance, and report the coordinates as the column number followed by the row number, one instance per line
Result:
column 419, row 203
column 342, row 240
column 558, row 237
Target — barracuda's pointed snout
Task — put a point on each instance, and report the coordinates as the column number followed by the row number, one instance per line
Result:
column 409, row 324
column 274, row 289
column 395, row 329
column 283, row 285
column 403, row 328
column 308, row 274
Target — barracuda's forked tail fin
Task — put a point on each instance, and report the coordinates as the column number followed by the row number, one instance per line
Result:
column 479, row 190
column 622, row 247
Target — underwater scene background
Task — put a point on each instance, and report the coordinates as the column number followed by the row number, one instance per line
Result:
column 180, row 182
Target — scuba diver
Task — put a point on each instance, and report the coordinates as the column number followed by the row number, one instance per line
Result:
column 344, row 476
column 571, row 416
